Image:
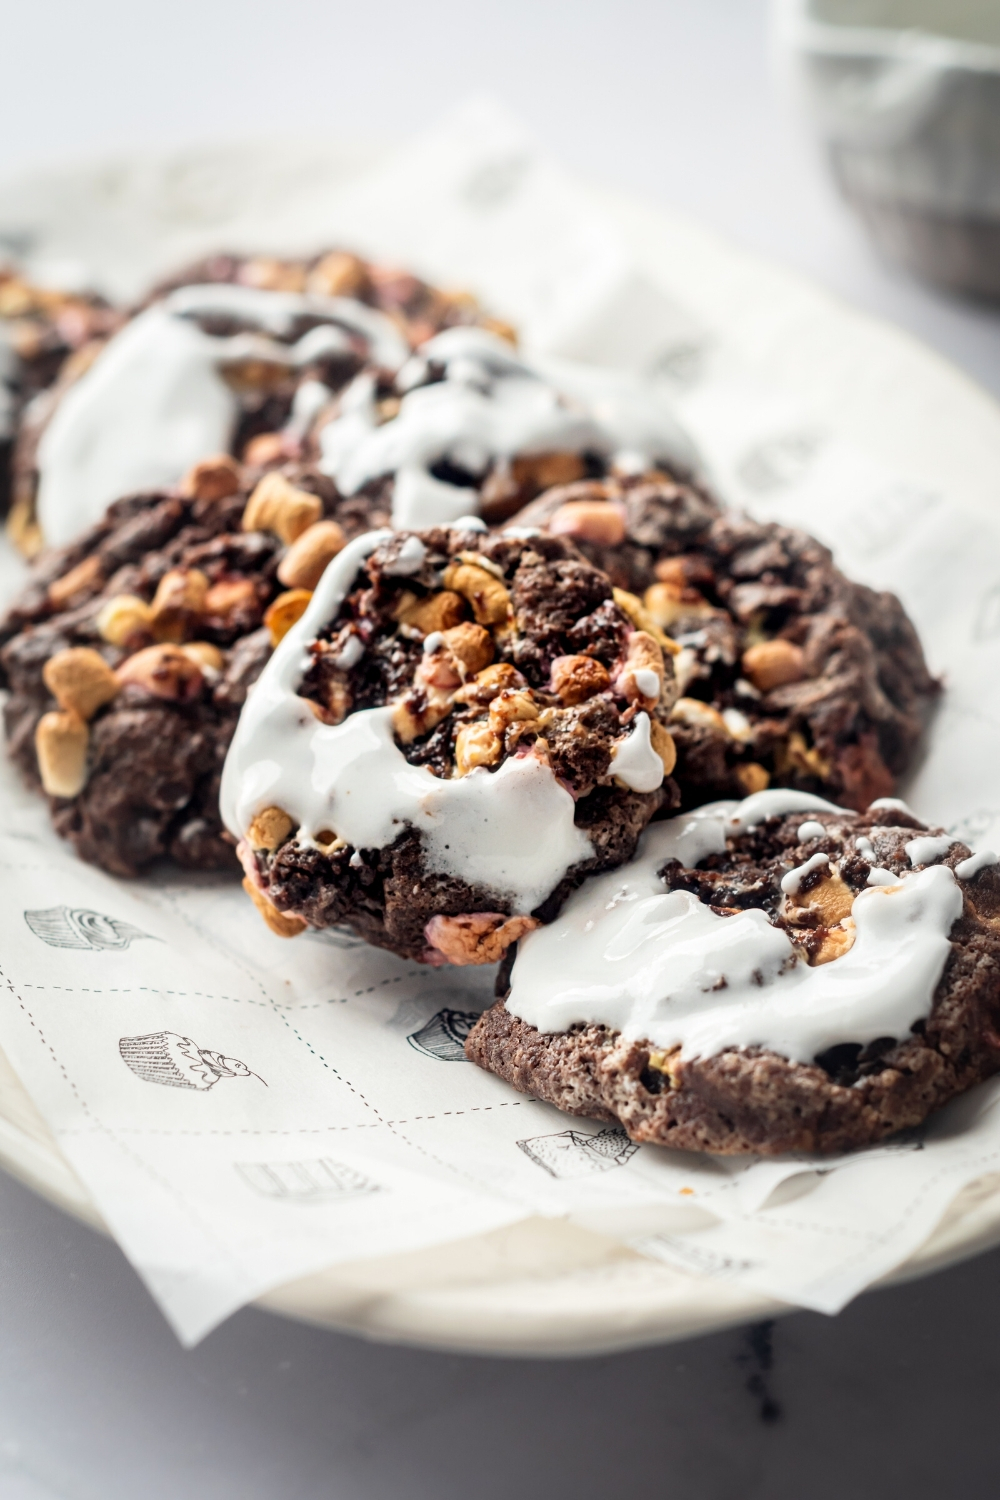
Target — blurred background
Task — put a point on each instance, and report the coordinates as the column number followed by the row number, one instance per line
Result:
column 726, row 109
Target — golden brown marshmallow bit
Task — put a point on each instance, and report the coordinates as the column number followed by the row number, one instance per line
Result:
column 753, row 777
column 836, row 942
column 483, row 688
column 667, row 603
column 229, row 595
column 470, row 645
column 632, row 607
column 179, row 599
column 123, row 616
column 433, row 612
column 576, row 678
column 771, row 664
column 284, row 611
column 695, row 714
column 80, row 680
column 476, row 745
column 641, row 677
column 512, row 706
column 662, row 742
column 81, row 579
column 486, row 593
column 164, row 671
column 828, row 903
column 338, row 274
column 212, row 479
column 207, row 656
column 598, row 521
column 61, row 740
column 481, row 937
column 269, row 829
column 266, row 448
column 464, row 650
column 284, row 924
column 278, row 506
column 273, row 275
column 688, row 570
column 429, row 701
column 305, row 562
column 831, row 899
column 543, row 471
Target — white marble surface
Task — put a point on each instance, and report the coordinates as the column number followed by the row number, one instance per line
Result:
column 97, row 1401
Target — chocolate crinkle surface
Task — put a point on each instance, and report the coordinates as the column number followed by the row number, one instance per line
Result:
column 129, row 654
column 789, row 673
column 750, row 1099
column 493, row 647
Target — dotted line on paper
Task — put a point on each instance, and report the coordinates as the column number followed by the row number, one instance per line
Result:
column 268, row 1003
column 100, row 1127
column 283, row 1015
column 142, row 989
column 311, row 1129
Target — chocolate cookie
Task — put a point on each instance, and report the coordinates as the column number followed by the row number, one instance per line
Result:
column 129, row 655
column 460, row 729
column 790, row 674
column 233, row 353
column 796, row 978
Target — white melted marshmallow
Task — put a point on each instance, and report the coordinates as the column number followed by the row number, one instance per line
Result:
column 775, row 803
column 969, row 868
column 791, row 883
column 490, row 406
column 928, row 848
column 662, row 967
column 633, row 759
column 155, row 401
column 511, row 829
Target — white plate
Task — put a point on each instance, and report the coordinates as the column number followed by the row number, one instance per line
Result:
column 542, row 1286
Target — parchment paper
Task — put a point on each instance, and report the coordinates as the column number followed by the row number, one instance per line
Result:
column 244, row 1110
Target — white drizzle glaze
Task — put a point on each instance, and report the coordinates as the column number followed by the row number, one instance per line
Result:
column 809, row 830
column 776, row 803
column 927, row 848
column 491, row 405
column 511, row 829
column 969, row 868
column 155, row 401
column 633, row 759
column 791, row 883
column 651, row 964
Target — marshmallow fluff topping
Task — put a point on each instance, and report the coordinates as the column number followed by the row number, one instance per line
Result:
column 663, row 967
column 157, row 400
